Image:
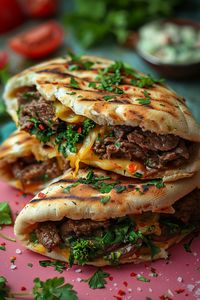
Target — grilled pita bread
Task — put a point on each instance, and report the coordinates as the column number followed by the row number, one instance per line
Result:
column 75, row 96
column 69, row 198
column 20, row 145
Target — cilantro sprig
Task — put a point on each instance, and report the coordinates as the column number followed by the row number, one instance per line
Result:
column 97, row 280
column 146, row 100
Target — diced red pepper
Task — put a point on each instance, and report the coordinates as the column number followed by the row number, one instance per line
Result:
column 132, row 167
column 41, row 195
column 41, row 126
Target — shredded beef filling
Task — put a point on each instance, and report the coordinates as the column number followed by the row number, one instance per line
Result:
column 157, row 151
column 154, row 150
column 50, row 234
column 28, row 170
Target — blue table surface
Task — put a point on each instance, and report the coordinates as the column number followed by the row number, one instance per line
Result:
column 189, row 88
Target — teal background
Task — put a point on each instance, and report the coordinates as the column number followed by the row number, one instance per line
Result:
column 189, row 88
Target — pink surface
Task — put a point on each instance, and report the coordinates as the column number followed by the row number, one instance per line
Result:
column 177, row 278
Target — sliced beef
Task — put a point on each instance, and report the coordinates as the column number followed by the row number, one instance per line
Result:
column 188, row 208
column 81, row 227
column 33, row 105
column 47, row 235
column 28, row 170
column 156, row 151
column 152, row 141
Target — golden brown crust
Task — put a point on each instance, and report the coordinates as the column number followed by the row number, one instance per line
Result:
column 167, row 113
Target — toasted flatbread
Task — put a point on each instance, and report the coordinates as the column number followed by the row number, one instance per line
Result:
column 76, row 95
column 21, row 146
column 76, row 200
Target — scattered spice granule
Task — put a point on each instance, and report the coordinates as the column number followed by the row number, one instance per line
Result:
column 133, row 274
column 18, row 251
column 150, row 290
column 139, row 289
column 16, row 202
column 179, row 291
column 115, row 284
column 13, row 267
column 23, row 288
column 129, row 290
column 110, row 278
column 30, row 265
column 78, row 279
column 121, row 293
column 190, row 287
column 117, row 297
column 3, row 244
column 165, row 297
column 170, row 292
column 12, row 259
column 179, row 279
column 78, row 270
column 125, row 283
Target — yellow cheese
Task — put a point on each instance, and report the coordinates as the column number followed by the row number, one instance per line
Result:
column 39, row 248
column 66, row 114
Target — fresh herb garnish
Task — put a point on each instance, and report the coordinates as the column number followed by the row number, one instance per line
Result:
column 58, row 265
column 2, row 248
column 142, row 278
column 107, row 97
column 97, row 280
column 92, row 85
column 33, row 237
column 155, row 182
column 187, row 246
column 146, row 100
column 53, row 289
column 4, row 290
column 104, row 200
column 198, row 269
column 120, row 188
column 68, row 188
column 28, row 95
column 44, row 134
column 74, row 83
column 5, row 214
column 144, row 81
column 79, row 63
column 138, row 174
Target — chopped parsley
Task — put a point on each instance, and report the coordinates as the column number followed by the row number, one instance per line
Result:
column 98, row 184
column 144, row 81
column 93, row 85
column 74, row 83
column 28, row 95
column 138, row 175
column 5, row 214
column 104, row 200
column 3, row 248
column 79, row 63
column 59, row 266
column 97, row 280
column 155, row 182
column 107, row 97
column 146, row 100
column 142, row 278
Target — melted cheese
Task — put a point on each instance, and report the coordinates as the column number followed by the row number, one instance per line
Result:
column 66, row 114
column 148, row 223
column 39, row 248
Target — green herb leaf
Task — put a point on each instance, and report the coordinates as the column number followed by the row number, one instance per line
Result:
column 33, row 237
column 4, row 290
column 198, row 269
column 107, row 97
column 68, row 188
column 58, row 265
column 142, row 278
column 187, row 246
column 120, row 188
column 5, row 214
column 74, row 83
column 97, row 280
column 138, row 175
column 53, row 289
column 146, row 100
column 104, row 200
column 93, row 85
column 3, row 248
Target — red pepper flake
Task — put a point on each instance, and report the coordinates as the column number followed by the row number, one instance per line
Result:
column 153, row 270
column 121, row 293
column 165, row 297
column 23, row 288
column 3, row 244
column 110, row 278
column 30, row 126
column 133, row 274
column 41, row 195
column 179, row 291
column 41, row 127
column 118, row 298
column 16, row 202
column 13, row 259
column 125, row 283
column 126, row 88
column 79, row 130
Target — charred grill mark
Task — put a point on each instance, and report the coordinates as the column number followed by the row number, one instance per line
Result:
column 65, row 181
column 53, row 71
column 61, row 197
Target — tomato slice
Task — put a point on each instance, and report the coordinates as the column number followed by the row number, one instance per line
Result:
column 3, row 59
column 39, row 41
column 40, row 8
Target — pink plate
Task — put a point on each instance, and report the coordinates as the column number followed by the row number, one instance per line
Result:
column 178, row 278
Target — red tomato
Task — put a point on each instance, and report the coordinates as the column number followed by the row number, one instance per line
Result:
column 132, row 167
column 3, row 59
column 39, row 41
column 10, row 15
column 40, row 8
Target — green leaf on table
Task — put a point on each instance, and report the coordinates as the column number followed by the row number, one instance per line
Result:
column 97, row 280
column 59, row 266
column 5, row 214
column 53, row 289
column 4, row 291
